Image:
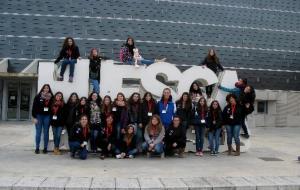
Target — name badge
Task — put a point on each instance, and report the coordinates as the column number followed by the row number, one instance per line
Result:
column 231, row 116
column 150, row 114
column 202, row 120
column 193, row 131
column 84, row 143
column 214, row 122
column 164, row 111
column 54, row 117
column 114, row 109
column 46, row 109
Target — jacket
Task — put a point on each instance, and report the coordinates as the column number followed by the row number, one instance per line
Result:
column 78, row 134
column 175, row 135
column 57, row 116
column 212, row 65
column 148, row 109
column 40, row 106
column 198, row 117
column 135, row 113
column 124, row 147
column 65, row 55
column 166, row 112
column 214, row 121
column 237, row 116
column 156, row 138
column 184, row 113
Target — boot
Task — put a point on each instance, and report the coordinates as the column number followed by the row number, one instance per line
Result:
column 181, row 153
column 58, row 151
column 55, row 151
column 237, row 153
column 229, row 150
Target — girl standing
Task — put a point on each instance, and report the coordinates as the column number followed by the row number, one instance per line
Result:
column 82, row 108
column 184, row 109
column 214, row 126
column 233, row 117
column 120, row 112
column 200, row 124
column 166, row 108
column 57, row 119
column 41, row 116
column 70, row 112
column 95, row 119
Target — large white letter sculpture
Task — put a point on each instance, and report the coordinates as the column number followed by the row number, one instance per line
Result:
column 112, row 77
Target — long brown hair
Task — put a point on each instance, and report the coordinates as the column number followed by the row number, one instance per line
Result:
column 159, row 125
column 188, row 104
column 205, row 105
column 124, row 99
column 214, row 57
column 91, row 56
column 128, row 137
column 65, row 44
column 105, row 108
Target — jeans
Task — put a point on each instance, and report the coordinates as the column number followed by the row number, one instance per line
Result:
column 200, row 131
column 139, row 137
column 143, row 61
column 64, row 64
column 96, row 85
column 93, row 139
column 244, row 127
column 158, row 148
column 118, row 128
column 132, row 152
column 214, row 139
column 43, row 124
column 56, row 135
column 75, row 146
column 233, row 131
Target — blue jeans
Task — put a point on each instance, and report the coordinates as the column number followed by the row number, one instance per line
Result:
column 233, row 131
column 214, row 139
column 93, row 140
column 56, row 135
column 143, row 61
column 75, row 146
column 43, row 124
column 158, row 148
column 96, row 85
column 139, row 137
column 200, row 130
column 118, row 128
column 64, row 64
column 132, row 152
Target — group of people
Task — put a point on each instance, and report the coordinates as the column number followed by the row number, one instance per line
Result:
column 126, row 127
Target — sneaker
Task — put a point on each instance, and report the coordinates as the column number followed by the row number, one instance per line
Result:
column 199, row 153
column 130, row 156
column 162, row 155
column 71, row 79
column 45, row 151
column 60, row 78
column 37, row 151
column 118, row 156
column 102, row 157
column 72, row 154
column 148, row 154
column 212, row 153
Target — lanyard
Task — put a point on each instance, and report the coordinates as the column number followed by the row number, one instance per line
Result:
column 166, row 105
column 55, row 109
column 46, row 103
column 85, row 130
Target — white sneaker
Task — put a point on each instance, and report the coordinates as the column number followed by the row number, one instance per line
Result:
column 130, row 156
column 118, row 156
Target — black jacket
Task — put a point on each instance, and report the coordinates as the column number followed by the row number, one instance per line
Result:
column 123, row 147
column 212, row 65
column 197, row 116
column 184, row 113
column 82, row 110
column 64, row 55
column 237, row 116
column 57, row 119
column 214, row 121
column 135, row 113
column 145, row 109
column 38, row 106
column 175, row 135
column 104, row 138
column 77, row 134
column 70, row 114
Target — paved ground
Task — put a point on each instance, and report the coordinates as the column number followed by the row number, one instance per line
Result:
column 17, row 159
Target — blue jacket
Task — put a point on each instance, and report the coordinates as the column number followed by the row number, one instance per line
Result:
column 167, row 117
column 235, row 91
